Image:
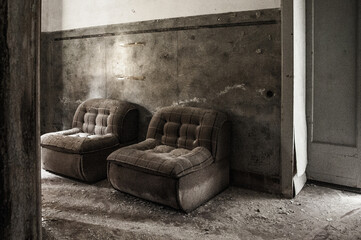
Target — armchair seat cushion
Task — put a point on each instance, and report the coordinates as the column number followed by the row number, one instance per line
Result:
column 75, row 141
column 162, row 160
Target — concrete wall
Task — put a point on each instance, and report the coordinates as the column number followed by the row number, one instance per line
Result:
column 229, row 62
column 19, row 122
column 70, row 14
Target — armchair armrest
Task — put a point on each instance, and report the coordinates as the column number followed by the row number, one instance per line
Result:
column 147, row 144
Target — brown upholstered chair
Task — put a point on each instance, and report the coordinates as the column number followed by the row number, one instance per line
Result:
column 183, row 162
column 99, row 127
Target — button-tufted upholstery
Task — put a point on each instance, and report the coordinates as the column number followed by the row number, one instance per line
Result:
column 99, row 127
column 185, row 155
column 163, row 160
column 106, row 116
column 187, row 127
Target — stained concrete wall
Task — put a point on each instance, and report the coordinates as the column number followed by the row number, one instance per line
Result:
column 70, row 14
column 19, row 125
column 229, row 62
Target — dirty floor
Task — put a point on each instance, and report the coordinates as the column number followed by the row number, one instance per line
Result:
column 75, row 210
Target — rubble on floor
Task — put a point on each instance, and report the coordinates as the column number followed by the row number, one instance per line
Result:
column 75, row 210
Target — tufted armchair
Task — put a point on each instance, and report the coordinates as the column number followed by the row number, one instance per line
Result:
column 99, row 127
column 183, row 162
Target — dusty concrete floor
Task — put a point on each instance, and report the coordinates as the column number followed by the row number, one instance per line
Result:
column 74, row 210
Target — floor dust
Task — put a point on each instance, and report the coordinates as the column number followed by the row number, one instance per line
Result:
column 75, row 210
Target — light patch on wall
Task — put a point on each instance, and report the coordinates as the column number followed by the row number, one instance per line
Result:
column 96, row 88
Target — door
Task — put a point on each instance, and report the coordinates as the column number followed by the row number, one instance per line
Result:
column 333, row 91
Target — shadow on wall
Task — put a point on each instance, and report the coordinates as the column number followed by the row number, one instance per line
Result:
column 144, row 118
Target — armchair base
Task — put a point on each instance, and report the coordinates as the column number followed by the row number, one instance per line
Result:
column 185, row 193
column 88, row 167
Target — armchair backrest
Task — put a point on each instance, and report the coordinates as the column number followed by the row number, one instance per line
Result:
column 189, row 127
column 103, row 116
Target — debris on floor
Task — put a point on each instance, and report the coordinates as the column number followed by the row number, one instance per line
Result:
column 75, row 210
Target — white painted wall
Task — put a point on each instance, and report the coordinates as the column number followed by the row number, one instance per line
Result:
column 70, row 14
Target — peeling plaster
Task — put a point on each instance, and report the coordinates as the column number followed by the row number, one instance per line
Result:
column 137, row 78
column 193, row 100
column 261, row 91
column 65, row 100
column 229, row 88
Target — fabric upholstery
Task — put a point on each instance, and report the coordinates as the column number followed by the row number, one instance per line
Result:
column 88, row 167
column 185, row 193
column 78, row 142
column 156, row 188
column 163, row 160
column 183, row 162
column 187, row 127
column 107, row 116
column 100, row 126
column 196, row 188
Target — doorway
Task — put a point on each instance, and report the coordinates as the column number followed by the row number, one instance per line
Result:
column 333, row 92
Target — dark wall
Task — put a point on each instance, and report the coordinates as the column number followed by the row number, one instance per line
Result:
column 229, row 62
column 19, row 123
